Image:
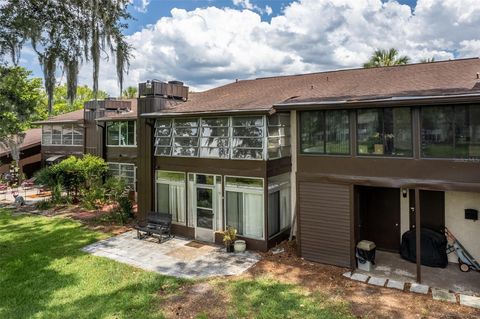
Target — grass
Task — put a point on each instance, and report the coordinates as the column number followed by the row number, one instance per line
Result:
column 44, row 274
column 267, row 298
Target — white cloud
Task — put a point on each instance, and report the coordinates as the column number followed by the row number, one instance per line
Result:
column 141, row 5
column 210, row 46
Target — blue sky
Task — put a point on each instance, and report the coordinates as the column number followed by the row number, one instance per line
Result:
column 207, row 43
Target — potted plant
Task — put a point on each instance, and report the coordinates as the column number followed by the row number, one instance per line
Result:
column 229, row 237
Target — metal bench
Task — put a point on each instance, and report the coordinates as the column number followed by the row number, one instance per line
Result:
column 157, row 224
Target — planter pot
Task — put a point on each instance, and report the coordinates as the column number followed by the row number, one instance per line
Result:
column 240, row 246
column 229, row 248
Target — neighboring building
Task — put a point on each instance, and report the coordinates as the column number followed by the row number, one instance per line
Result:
column 348, row 149
column 105, row 128
column 30, row 154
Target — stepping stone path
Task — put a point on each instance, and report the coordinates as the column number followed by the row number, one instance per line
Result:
column 437, row 294
column 377, row 281
column 470, row 301
column 419, row 288
column 359, row 277
column 443, row 295
column 395, row 284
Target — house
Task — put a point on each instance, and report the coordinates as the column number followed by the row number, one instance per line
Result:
column 105, row 128
column 354, row 154
column 30, row 157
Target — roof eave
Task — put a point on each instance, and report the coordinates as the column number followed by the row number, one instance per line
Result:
column 209, row 113
column 59, row 122
column 390, row 101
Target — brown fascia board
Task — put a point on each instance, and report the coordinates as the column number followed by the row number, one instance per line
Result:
column 113, row 119
column 390, row 101
column 210, row 113
column 59, row 122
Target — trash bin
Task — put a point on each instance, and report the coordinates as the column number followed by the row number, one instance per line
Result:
column 365, row 254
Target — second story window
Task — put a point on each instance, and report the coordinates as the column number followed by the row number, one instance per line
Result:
column 384, row 131
column 325, row 132
column 121, row 133
column 66, row 134
column 450, row 131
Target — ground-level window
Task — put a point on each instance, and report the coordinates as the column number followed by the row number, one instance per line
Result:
column 170, row 195
column 325, row 132
column 124, row 171
column 384, row 131
column 451, row 131
column 245, row 206
column 279, row 211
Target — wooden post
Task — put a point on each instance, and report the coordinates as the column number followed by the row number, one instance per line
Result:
column 418, row 235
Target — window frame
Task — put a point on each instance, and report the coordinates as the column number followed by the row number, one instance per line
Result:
column 119, row 164
column 243, row 189
column 357, row 142
column 108, row 123
column 183, row 183
column 283, row 184
column 75, row 139
column 324, row 111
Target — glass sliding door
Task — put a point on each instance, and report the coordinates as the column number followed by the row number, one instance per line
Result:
column 171, row 195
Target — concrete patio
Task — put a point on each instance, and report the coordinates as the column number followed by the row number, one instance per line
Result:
column 177, row 257
column 392, row 266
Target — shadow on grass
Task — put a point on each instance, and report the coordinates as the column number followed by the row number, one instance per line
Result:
column 262, row 298
column 45, row 274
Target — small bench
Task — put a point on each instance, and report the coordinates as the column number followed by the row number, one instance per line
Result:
column 157, row 224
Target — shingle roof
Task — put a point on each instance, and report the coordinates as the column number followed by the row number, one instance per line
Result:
column 32, row 138
column 422, row 79
column 75, row 116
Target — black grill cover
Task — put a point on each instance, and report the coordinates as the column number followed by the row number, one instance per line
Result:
column 433, row 248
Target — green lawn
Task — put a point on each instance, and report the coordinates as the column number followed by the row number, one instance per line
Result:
column 44, row 274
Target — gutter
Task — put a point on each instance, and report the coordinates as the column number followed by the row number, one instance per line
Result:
column 59, row 122
column 221, row 112
column 395, row 100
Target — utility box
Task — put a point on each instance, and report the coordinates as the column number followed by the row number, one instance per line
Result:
column 365, row 253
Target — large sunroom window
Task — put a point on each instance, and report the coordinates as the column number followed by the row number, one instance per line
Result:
column 171, row 195
column 237, row 137
column 451, row 131
column 66, row 134
column 384, row 131
column 244, row 206
column 325, row 132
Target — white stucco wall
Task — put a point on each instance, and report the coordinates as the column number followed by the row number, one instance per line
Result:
column 466, row 231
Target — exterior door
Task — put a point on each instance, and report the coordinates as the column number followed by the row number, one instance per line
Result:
column 205, row 208
column 432, row 210
column 379, row 216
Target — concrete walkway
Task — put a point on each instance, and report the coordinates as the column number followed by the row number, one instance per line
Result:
column 175, row 257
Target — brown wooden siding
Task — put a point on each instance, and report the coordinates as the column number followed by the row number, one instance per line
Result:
column 94, row 134
column 121, row 154
column 325, row 223
column 279, row 166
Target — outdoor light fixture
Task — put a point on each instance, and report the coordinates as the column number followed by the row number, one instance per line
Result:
column 148, row 85
column 404, row 193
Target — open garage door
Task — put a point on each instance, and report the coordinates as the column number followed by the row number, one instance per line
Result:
column 324, row 223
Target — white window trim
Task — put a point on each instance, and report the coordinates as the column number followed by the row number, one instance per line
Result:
column 247, row 190
column 118, row 145
column 134, row 172
column 73, row 127
column 175, row 183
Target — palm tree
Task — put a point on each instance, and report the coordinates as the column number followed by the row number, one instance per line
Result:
column 386, row 58
column 130, row 92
